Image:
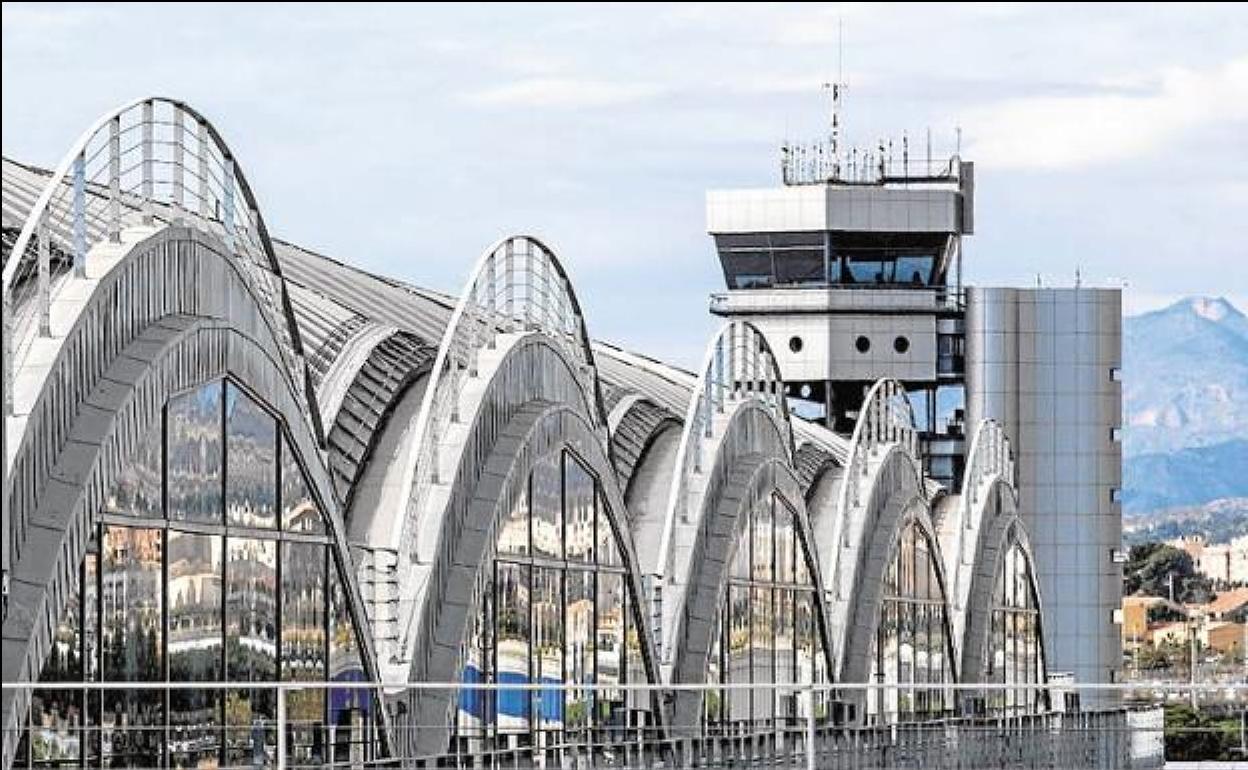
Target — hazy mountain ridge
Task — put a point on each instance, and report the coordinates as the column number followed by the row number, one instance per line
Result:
column 1186, row 377
column 1219, row 521
column 1185, row 405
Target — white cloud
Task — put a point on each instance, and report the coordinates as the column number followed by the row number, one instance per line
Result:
column 563, row 92
column 1056, row 132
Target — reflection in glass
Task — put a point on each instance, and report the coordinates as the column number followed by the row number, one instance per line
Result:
column 209, row 601
column 514, row 651
column 548, row 646
column 250, row 646
column 132, row 641
column 137, row 488
column 561, row 613
column 303, row 646
column 251, row 461
column 578, row 504
column 912, row 644
column 348, row 706
column 299, row 511
column 56, row 716
column 195, row 644
column 767, row 630
column 545, row 493
column 195, row 454
column 1013, row 653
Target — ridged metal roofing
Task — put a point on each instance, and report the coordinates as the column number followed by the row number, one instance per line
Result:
column 333, row 300
column 392, row 367
column 633, row 436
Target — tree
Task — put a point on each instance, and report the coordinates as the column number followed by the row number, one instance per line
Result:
column 1150, row 566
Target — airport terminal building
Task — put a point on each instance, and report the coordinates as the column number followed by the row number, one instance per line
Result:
column 236, row 465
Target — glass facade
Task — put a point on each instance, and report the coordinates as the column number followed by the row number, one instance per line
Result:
column 912, row 645
column 223, row 588
column 768, row 628
column 1014, row 653
column 555, row 607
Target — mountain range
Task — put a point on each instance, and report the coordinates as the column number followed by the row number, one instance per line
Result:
column 1185, row 406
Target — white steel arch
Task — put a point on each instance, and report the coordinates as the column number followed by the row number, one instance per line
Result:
column 988, row 482
column 518, row 287
column 738, row 370
column 885, row 422
column 140, row 165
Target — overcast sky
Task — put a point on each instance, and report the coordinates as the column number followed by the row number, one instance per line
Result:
column 1113, row 140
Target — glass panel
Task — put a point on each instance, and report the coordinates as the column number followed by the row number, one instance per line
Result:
column 476, row 712
column 92, row 650
column 195, row 454
column 763, row 556
column 738, row 659
column 131, row 622
column 545, row 491
column 195, row 644
column 548, row 645
column 578, row 505
column 748, row 269
column 605, row 547
column 251, row 461
column 785, row 572
column 578, row 647
column 56, row 716
column 513, row 651
column 799, row 267
column 303, row 647
column 763, row 646
column 513, row 532
column 609, row 647
column 251, row 646
column 785, row 652
column 299, row 511
column 137, row 489
column 348, row 706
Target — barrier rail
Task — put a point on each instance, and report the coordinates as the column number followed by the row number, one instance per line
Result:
column 288, row 736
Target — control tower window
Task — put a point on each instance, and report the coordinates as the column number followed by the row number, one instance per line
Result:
column 816, row 258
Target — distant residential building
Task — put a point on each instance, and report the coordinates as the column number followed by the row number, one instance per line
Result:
column 1225, row 604
column 1135, row 616
column 1168, row 633
column 1222, row 636
column 1225, row 562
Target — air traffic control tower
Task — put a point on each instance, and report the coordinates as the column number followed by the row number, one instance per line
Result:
column 852, row 269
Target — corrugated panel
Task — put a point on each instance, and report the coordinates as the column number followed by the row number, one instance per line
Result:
column 643, row 421
column 393, row 366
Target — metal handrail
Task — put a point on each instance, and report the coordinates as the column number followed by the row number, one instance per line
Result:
column 91, row 197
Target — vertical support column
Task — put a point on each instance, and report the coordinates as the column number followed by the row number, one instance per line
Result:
column 44, row 299
column 114, row 179
column 719, row 375
column 6, row 351
column 227, row 216
column 509, row 275
column 179, row 183
column 491, row 294
column 205, row 210
column 80, row 216
column 148, row 185
column 707, row 404
column 530, row 281
column 471, row 317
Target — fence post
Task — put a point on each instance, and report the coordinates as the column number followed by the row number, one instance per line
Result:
column 810, row 727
